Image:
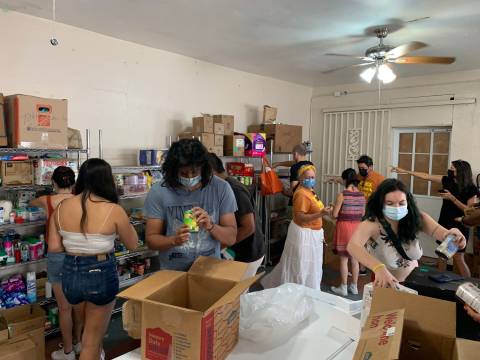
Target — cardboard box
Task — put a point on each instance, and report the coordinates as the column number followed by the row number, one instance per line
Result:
column 3, row 330
column 208, row 140
column 228, row 122
column 219, row 140
column 18, row 350
column 74, row 139
column 3, row 132
column 255, row 144
column 26, row 322
column 234, row 145
column 17, row 172
column 217, row 150
column 186, row 135
column 192, row 315
column 269, row 114
column 219, row 128
column 284, row 137
column 34, row 122
column 427, row 330
column 44, row 168
column 202, row 124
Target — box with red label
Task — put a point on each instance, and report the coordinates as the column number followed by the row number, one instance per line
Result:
column 188, row 315
column 44, row 168
column 255, row 144
column 240, row 169
column 34, row 122
column 404, row 326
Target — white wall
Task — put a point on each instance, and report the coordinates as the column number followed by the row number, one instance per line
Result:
column 136, row 94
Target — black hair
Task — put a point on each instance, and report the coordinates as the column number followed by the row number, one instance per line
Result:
column 410, row 225
column 182, row 153
column 63, row 177
column 350, row 177
column 365, row 159
column 95, row 177
column 216, row 163
column 464, row 177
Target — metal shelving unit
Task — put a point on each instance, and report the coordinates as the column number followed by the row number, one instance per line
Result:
column 24, row 187
column 26, row 224
column 132, row 281
column 52, row 331
column 10, row 266
column 143, row 251
column 127, row 169
column 133, row 196
column 42, row 151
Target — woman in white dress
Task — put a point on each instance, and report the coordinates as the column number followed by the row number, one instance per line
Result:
column 390, row 233
column 302, row 257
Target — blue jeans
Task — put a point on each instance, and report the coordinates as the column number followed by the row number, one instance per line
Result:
column 55, row 267
column 87, row 279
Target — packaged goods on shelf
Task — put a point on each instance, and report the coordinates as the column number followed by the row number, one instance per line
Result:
column 24, row 197
column 219, row 128
column 3, row 132
column 219, row 141
column 150, row 157
column 227, row 121
column 269, row 114
column 207, row 139
column 202, row 124
column 240, row 169
column 185, row 135
column 255, row 144
column 36, row 123
column 7, row 206
column 17, row 172
column 44, row 168
column 285, row 137
column 74, row 139
column 217, row 150
column 234, row 145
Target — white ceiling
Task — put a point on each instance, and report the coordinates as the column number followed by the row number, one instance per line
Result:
column 284, row 39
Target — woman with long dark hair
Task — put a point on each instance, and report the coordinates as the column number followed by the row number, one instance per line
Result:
column 348, row 210
column 189, row 189
column 85, row 227
column 390, row 231
column 458, row 193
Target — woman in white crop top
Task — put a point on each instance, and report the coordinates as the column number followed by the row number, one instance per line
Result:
column 390, row 233
column 85, row 227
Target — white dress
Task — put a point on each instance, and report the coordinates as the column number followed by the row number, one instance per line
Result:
column 301, row 260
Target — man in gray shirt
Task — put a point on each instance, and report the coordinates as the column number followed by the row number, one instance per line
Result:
column 188, row 184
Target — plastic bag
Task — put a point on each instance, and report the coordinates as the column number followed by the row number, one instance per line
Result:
column 271, row 316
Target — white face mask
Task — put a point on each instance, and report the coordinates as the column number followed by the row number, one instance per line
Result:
column 190, row 182
column 395, row 213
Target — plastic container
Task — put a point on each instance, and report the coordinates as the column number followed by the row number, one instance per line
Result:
column 32, row 287
column 24, row 251
column 190, row 221
column 34, row 214
column 35, row 250
column 2, row 214
column 8, row 246
column 447, row 248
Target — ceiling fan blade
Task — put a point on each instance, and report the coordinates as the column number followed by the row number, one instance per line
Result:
column 405, row 49
column 345, row 67
column 424, row 60
column 350, row 56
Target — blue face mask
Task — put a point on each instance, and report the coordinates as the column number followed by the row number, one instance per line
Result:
column 309, row 183
column 190, row 182
column 395, row 213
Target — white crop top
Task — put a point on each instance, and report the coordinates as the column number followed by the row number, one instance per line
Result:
column 79, row 243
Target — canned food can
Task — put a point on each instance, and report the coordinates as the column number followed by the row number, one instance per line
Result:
column 470, row 295
column 190, row 221
column 447, row 248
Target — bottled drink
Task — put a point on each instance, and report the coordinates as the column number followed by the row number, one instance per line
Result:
column 31, row 287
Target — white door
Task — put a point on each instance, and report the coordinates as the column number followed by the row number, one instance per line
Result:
column 424, row 150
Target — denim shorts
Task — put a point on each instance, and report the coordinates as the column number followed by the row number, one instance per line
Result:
column 55, row 267
column 87, row 279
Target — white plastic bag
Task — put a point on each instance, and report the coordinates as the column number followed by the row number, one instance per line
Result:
column 271, row 316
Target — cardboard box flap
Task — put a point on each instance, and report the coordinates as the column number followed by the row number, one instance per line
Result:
column 219, row 269
column 235, row 292
column 151, row 284
column 466, row 350
column 420, row 311
column 22, row 319
column 382, row 336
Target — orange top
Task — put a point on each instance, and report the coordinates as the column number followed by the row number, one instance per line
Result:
column 368, row 185
column 305, row 200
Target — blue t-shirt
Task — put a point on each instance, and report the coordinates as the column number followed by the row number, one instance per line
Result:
column 169, row 204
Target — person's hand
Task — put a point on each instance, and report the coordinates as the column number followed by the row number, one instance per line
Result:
column 472, row 313
column 397, row 170
column 383, row 278
column 458, row 219
column 327, row 211
column 203, row 219
column 182, row 236
column 460, row 240
column 446, row 195
column 274, row 166
column 329, row 180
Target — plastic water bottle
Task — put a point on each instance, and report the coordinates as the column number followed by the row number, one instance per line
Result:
column 447, row 248
column 32, row 287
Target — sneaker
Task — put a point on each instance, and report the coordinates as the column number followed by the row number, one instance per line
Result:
column 340, row 290
column 77, row 348
column 352, row 289
column 102, row 355
column 60, row 355
column 362, row 272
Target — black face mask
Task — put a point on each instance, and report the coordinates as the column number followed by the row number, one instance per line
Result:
column 451, row 174
column 363, row 172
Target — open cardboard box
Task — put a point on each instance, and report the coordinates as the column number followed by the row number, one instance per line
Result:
column 23, row 349
column 404, row 326
column 188, row 315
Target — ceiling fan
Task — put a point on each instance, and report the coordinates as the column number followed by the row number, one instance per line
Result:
column 382, row 55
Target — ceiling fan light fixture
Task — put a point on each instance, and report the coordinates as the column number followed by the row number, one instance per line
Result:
column 368, row 74
column 386, row 74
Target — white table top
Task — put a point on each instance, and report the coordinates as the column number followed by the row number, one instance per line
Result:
column 329, row 334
